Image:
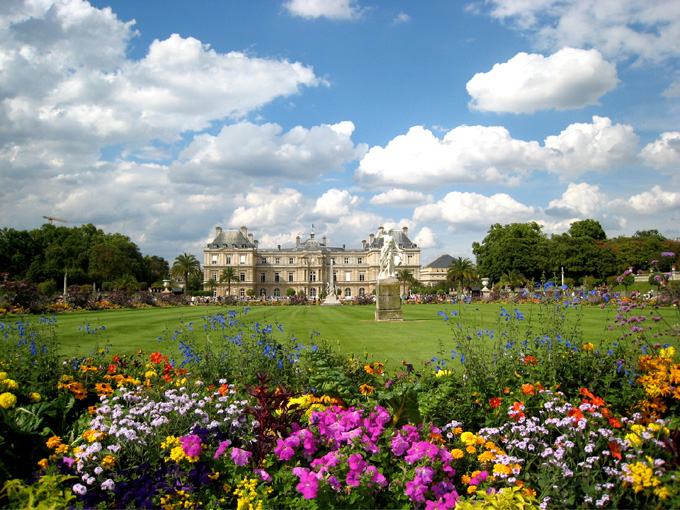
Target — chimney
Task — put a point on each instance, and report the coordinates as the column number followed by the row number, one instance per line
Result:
column 371, row 239
column 256, row 242
column 297, row 241
column 218, row 231
column 323, row 240
column 279, row 247
column 363, row 244
column 405, row 230
column 244, row 231
column 250, row 238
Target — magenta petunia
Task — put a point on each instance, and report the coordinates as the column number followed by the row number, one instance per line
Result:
column 240, row 457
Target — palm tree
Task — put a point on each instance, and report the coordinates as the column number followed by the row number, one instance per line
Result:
column 127, row 283
column 185, row 265
column 462, row 272
column 513, row 279
column 228, row 275
column 404, row 276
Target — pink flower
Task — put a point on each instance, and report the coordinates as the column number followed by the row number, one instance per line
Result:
column 264, row 476
column 222, row 448
column 240, row 457
column 399, row 446
column 425, row 473
column 415, row 490
column 284, row 450
column 191, row 445
column 376, row 476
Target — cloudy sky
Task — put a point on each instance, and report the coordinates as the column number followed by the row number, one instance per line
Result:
column 164, row 119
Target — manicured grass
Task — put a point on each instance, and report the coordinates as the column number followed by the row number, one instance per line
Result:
column 351, row 329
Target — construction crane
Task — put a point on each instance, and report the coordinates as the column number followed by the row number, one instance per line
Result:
column 51, row 219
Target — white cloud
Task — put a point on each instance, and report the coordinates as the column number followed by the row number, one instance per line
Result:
column 401, row 18
column 673, row 90
column 591, row 147
column 582, row 199
column 66, row 81
column 401, row 197
column 335, row 203
column 269, row 208
column 470, row 154
column 470, row 209
column 619, row 29
column 247, row 150
column 568, row 79
column 654, row 201
column 664, row 152
column 331, row 9
column 426, row 238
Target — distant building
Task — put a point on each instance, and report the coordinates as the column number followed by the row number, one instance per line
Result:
column 436, row 270
column 305, row 267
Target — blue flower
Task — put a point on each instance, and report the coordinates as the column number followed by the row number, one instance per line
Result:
column 443, row 314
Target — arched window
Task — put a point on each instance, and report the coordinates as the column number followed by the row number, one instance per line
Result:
column 242, row 292
column 362, row 291
column 348, row 292
column 312, row 293
column 263, row 293
column 277, row 292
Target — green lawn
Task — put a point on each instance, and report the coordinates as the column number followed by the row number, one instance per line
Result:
column 421, row 335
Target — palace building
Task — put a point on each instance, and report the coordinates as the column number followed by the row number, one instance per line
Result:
column 307, row 267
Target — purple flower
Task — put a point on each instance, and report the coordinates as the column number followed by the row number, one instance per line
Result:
column 309, row 483
column 79, row 489
column 476, row 480
column 240, row 457
column 264, row 476
column 357, row 463
column 415, row 490
column 376, row 476
column 668, row 254
column 399, row 446
column 425, row 473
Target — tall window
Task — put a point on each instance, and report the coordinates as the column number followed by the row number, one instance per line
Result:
column 262, row 277
column 290, row 277
column 362, row 291
column 348, row 292
column 263, row 293
column 276, row 277
column 348, row 276
column 228, row 259
column 264, row 260
column 277, row 292
column 362, row 277
column 242, row 292
column 291, row 260
column 360, row 260
column 312, row 276
column 346, row 260
column 213, row 275
column 277, row 260
column 312, row 293
column 243, row 259
column 409, row 259
column 242, row 276
column 214, row 259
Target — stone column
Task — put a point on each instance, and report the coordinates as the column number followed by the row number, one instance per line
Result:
column 388, row 300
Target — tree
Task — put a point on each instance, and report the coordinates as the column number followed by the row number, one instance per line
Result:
column 587, row 228
column 228, row 275
column 404, row 276
column 513, row 279
column 127, row 283
column 462, row 272
column 519, row 246
column 185, row 265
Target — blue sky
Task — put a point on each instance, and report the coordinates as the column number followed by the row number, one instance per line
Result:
column 163, row 120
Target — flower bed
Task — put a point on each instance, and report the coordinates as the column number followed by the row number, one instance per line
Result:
column 253, row 419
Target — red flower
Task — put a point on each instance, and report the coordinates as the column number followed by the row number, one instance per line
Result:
column 517, row 411
column 157, row 357
column 495, row 402
column 530, row 360
column 112, row 369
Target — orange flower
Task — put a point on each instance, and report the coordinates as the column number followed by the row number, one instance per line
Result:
column 365, row 389
column 528, row 389
column 157, row 357
column 530, row 360
column 577, row 415
column 614, row 448
column 517, row 411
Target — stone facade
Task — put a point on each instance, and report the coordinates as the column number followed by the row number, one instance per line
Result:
column 305, row 267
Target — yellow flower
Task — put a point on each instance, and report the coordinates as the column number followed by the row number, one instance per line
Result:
column 486, row 456
column 634, row 440
column 365, row 389
column 465, row 479
column 442, row 373
column 588, row 346
column 53, row 442
column 3, row 376
column 457, row 453
column 471, row 450
column 662, row 492
column 9, row 384
column 468, row 438
column 34, row 397
column 471, row 489
column 502, row 469
column 458, row 431
column 8, row 400
column 108, row 461
column 529, row 492
column 42, row 463
column 667, row 353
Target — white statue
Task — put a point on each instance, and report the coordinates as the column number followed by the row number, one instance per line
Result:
column 390, row 254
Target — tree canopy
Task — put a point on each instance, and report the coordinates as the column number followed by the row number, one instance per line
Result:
column 86, row 254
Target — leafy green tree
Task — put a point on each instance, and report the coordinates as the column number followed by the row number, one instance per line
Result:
column 587, row 228
column 462, row 273
column 156, row 269
column 519, row 246
column 513, row 279
column 127, row 283
column 228, row 275
column 185, row 265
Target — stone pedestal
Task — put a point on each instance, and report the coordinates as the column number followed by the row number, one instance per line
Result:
column 388, row 301
column 331, row 300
